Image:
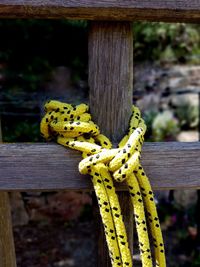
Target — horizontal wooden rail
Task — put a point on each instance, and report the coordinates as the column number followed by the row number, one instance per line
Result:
column 53, row 167
column 150, row 10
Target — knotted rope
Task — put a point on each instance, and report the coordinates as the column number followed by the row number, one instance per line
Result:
column 72, row 127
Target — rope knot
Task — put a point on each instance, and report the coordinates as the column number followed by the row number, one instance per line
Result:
column 121, row 162
column 72, row 127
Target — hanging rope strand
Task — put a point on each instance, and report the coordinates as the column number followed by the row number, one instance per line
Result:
column 72, row 127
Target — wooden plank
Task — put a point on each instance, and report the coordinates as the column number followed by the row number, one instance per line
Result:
column 111, row 81
column 50, row 166
column 154, row 10
column 7, row 250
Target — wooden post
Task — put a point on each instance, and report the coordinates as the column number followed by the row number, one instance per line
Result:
column 111, row 76
column 111, row 83
column 7, row 251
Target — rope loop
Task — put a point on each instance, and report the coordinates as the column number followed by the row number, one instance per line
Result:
column 72, row 127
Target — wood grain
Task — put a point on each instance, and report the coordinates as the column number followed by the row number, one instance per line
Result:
column 50, row 166
column 127, row 211
column 111, row 81
column 111, row 76
column 154, row 10
column 7, row 250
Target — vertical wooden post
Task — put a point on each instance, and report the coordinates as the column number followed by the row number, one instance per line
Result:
column 7, row 251
column 111, row 83
column 111, row 76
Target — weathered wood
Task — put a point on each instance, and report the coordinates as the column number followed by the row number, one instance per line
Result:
column 103, row 258
column 7, row 250
column 111, row 82
column 127, row 211
column 151, row 10
column 111, row 76
column 50, row 166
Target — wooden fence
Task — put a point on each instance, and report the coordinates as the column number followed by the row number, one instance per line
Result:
column 51, row 167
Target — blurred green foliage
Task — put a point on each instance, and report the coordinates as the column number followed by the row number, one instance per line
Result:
column 188, row 116
column 196, row 260
column 165, row 127
column 21, row 130
column 149, row 117
column 161, row 126
column 30, row 49
column 171, row 42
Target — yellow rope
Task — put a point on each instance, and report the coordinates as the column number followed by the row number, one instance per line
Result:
column 72, row 127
